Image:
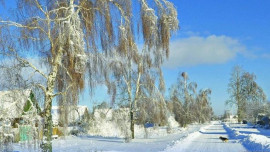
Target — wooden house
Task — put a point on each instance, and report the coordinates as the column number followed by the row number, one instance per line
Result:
column 19, row 108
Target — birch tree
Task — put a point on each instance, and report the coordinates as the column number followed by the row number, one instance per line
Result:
column 234, row 89
column 73, row 38
column 203, row 108
column 134, row 70
column 246, row 94
column 136, row 76
column 254, row 96
column 189, row 105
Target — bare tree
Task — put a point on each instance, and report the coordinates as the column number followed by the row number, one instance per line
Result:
column 188, row 105
column 234, row 89
column 203, row 106
column 254, row 96
column 246, row 94
column 176, row 106
column 74, row 37
column 136, row 75
column 135, row 71
column 151, row 110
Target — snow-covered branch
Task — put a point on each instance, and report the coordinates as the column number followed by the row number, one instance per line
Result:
column 63, row 93
column 41, row 87
column 26, row 62
column 15, row 24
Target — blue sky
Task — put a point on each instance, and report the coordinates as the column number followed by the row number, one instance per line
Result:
column 215, row 36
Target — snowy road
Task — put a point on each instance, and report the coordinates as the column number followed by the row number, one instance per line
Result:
column 195, row 138
column 83, row 144
column 207, row 140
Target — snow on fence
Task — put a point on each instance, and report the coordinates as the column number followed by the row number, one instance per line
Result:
column 115, row 123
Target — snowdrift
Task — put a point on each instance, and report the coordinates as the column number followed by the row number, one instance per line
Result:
column 115, row 123
column 252, row 142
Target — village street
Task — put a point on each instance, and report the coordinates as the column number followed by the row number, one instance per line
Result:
column 207, row 140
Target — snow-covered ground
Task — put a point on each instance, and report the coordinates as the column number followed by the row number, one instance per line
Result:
column 253, row 139
column 195, row 138
column 157, row 141
column 242, row 138
column 207, row 140
column 95, row 143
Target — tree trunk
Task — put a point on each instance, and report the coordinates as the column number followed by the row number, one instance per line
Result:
column 132, row 124
column 134, row 105
column 239, row 115
column 47, row 145
column 49, row 95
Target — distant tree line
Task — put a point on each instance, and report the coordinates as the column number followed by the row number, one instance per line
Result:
column 185, row 103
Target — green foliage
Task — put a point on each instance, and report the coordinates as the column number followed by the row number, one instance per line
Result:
column 31, row 102
column 27, row 106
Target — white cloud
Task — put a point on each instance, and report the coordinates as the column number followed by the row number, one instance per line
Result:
column 197, row 50
column 265, row 56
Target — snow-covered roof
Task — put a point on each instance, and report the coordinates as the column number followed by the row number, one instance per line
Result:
column 107, row 113
column 12, row 103
column 76, row 112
